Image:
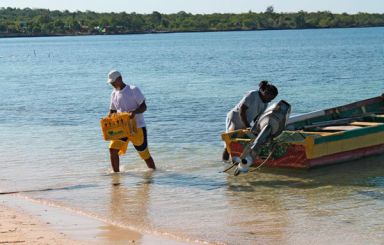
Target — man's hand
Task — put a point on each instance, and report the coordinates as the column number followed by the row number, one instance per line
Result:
column 132, row 114
column 141, row 109
column 111, row 112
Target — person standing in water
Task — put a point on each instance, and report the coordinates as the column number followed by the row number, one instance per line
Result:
column 128, row 98
column 249, row 109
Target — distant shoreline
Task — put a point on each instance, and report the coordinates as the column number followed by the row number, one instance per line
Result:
column 21, row 35
column 27, row 22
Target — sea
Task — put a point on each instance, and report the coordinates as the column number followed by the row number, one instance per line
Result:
column 54, row 91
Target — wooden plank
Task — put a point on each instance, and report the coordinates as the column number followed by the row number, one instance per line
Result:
column 314, row 132
column 241, row 139
column 365, row 124
column 340, row 128
column 342, row 121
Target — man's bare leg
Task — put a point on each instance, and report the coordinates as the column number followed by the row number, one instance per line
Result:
column 225, row 156
column 150, row 163
column 115, row 160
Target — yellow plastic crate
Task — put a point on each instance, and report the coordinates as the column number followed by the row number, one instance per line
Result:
column 117, row 126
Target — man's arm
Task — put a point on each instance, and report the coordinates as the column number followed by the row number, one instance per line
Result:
column 112, row 107
column 243, row 115
column 142, row 108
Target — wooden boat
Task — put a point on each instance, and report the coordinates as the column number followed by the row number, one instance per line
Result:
column 320, row 138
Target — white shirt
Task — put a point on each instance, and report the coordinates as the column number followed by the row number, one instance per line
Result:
column 126, row 100
column 255, row 105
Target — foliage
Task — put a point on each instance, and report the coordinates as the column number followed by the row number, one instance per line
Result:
column 14, row 21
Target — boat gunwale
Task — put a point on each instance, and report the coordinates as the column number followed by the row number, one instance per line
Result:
column 329, row 113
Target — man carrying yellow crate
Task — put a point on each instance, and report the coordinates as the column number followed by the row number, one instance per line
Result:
column 128, row 98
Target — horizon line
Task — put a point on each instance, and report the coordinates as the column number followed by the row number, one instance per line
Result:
column 193, row 13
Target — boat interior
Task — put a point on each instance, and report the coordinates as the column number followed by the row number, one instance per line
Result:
column 358, row 115
column 331, row 127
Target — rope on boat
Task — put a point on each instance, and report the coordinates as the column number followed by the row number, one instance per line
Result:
column 253, row 170
column 225, row 170
column 265, row 161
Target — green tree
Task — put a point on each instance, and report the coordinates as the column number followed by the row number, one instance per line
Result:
column 58, row 26
column 300, row 19
column 156, row 18
column 75, row 25
column 269, row 10
column 43, row 21
column 3, row 27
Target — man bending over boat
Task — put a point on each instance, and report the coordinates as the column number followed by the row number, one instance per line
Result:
column 249, row 109
column 128, row 98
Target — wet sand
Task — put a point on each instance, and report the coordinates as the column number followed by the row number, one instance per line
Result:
column 26, row 222
column 19, row 227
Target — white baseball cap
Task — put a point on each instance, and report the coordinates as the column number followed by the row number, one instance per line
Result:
column 113, row 75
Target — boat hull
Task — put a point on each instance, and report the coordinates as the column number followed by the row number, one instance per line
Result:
column 335, row 135
column 296, row 157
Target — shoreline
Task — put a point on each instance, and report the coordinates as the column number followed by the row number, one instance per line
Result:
column 28, row 222
column 18, row 226
column 21, row 35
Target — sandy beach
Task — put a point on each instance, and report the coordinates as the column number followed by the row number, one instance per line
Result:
column 19, row 227
column 25, row 221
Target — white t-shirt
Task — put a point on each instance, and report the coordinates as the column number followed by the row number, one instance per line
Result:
column 126, row 100
column 255, row 105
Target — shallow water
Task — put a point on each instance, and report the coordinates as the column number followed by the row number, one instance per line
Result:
column 53, row 92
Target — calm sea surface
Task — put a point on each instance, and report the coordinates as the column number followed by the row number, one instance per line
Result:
column 53, row 92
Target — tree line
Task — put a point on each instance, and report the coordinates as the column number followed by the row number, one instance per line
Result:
column 31, row 22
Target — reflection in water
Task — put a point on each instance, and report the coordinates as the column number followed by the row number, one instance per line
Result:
column 128, row 205
column 379, row 195
column 115, row 235
column 364, row 172
column 256, row 209
column 278, row 205
column 190, row 181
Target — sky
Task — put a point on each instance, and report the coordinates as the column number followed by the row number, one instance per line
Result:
column 202, row 6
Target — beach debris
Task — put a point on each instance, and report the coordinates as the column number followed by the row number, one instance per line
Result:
column 10, row 242
column 12, row 230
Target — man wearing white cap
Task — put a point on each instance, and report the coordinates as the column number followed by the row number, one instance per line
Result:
column 128, row 98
